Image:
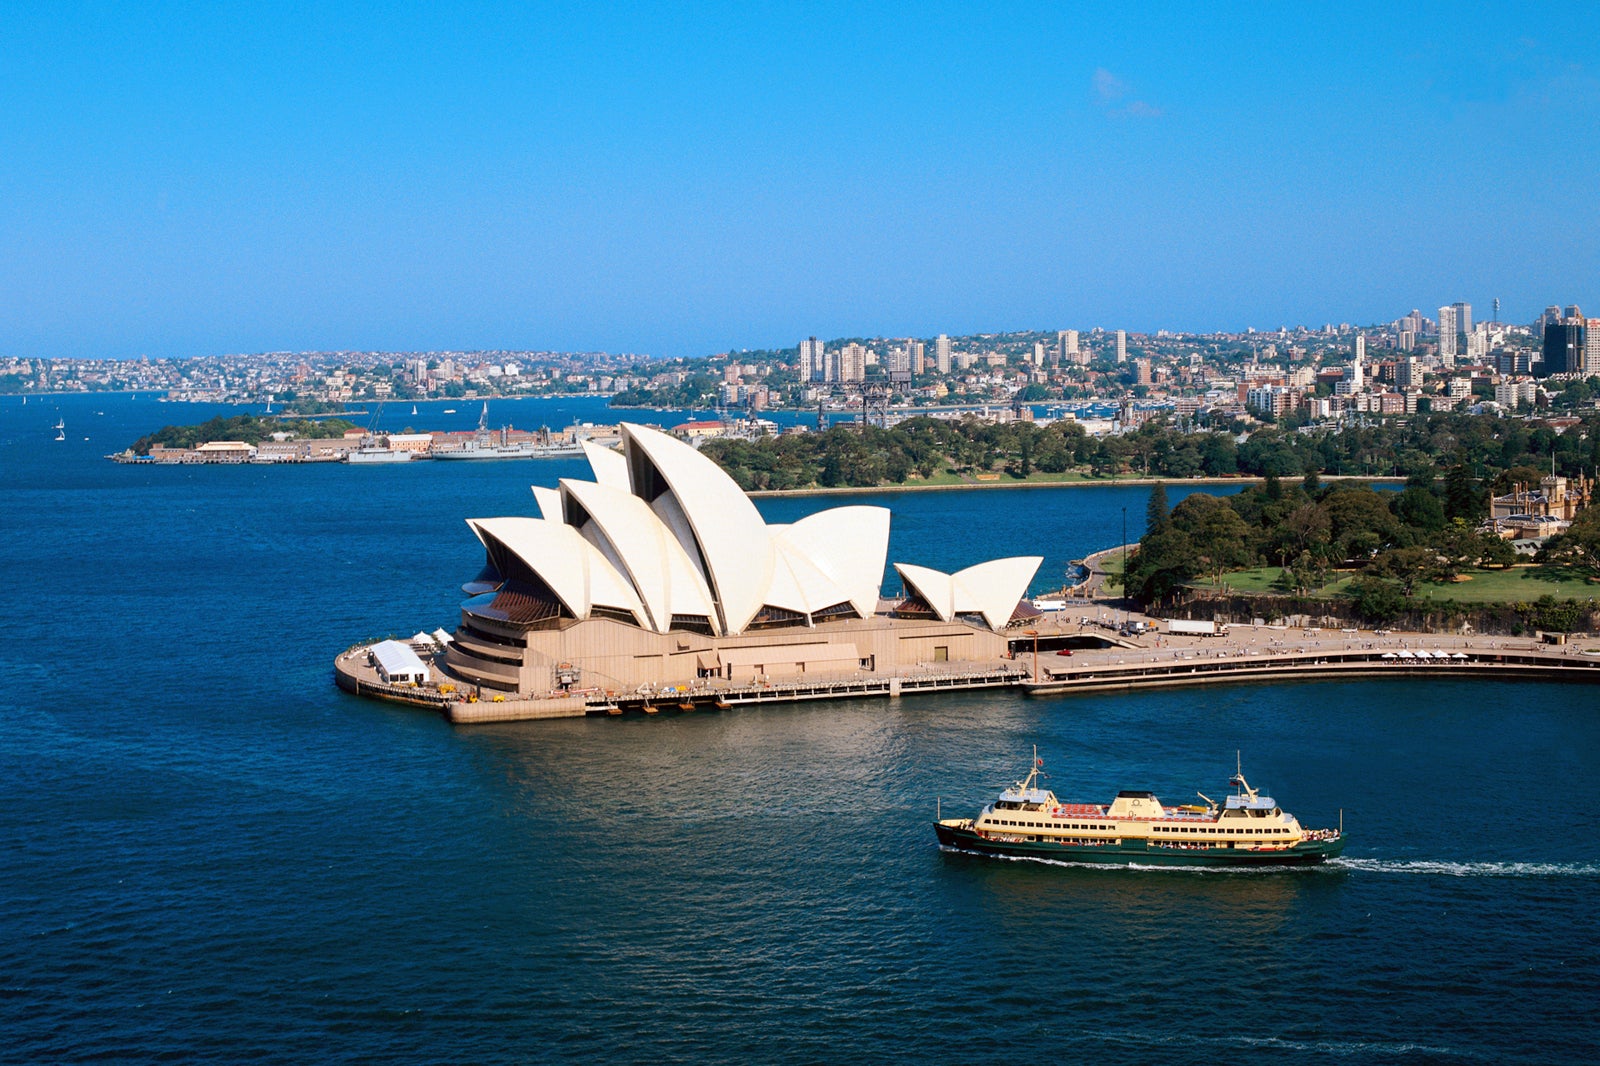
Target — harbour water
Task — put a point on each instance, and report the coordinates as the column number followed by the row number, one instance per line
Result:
column 209, row 853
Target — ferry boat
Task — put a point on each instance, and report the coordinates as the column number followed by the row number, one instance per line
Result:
column 1247, row 829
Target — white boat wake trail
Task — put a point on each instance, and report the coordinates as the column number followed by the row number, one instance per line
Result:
column 1468, row 869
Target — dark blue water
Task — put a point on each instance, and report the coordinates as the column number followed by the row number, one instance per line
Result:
column 209, row 853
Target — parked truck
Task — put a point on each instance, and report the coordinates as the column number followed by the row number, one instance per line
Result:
column 1184, row 627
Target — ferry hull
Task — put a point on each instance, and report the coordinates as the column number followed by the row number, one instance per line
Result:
column 1305, row 854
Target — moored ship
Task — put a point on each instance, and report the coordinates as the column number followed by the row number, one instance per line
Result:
column 487, row 445
column 1246, row 829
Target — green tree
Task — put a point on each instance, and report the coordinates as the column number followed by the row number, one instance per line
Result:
column 1406, row 565
column 1220, row 537
column 1165, row 560
column 1376, row 600
column 1464, row 498
column 1420, row 509
column 1156, row 511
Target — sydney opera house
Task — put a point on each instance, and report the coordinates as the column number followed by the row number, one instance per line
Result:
column 660, row 571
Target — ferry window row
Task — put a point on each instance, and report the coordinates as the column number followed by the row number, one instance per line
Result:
column 1224, row 832
column 1158, row 829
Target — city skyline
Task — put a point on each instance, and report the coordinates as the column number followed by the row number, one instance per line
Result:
column 193, row 181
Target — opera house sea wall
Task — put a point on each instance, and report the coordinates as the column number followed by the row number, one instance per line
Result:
column 661, row 572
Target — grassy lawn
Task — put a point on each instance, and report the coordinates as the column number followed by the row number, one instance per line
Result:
column 1263, row 579
column 943, row 477
column 1520, row 584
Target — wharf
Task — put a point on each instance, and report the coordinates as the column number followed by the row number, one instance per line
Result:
column 1461, row 660
column 794, row 689
column 355, row 674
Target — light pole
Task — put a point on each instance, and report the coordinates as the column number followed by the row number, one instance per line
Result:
column 1124, row 562
column 1034, row 633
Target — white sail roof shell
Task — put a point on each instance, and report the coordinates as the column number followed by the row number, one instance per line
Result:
column 661, row 573
column 731, row 535
column 992, row 589
column 609, row 466
column 847, row 545
column 700, row 548
column 575, row 570
column 549, row 501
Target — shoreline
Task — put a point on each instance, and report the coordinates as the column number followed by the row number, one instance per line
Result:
column 1088, row 483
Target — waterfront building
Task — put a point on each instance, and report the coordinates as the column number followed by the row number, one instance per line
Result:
column 661, row 571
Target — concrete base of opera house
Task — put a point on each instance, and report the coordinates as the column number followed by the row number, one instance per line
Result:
column 1245, row 655
column 599, row 655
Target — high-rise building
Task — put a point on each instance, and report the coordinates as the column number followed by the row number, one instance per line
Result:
column 852, row 362
column 1038, row 353
column 1122, row 346
column 1142, row 368
column 1512, row 361
column 1551, row 314
column 941, row 353
column 1448, row 328
column 813, row 361
column 1463, row 317
column 1563, row 346
column 1067, row 345
column 1477, row 345
column 1591, row 346
column 1358, row 364
column 918, row 357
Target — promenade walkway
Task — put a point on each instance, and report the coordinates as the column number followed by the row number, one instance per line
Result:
column 1252, row 653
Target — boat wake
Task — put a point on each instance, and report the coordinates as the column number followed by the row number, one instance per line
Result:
column 1324, row 1047
column 1136, row 867
column 1468, row 869
column 1434, row 868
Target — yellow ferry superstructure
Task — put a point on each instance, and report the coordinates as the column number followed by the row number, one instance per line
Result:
column 1246, row 829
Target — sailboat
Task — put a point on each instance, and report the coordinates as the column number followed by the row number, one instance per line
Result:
column 61, row 429
column 413, row 408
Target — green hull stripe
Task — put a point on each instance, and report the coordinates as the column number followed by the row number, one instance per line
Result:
column 1304, row 854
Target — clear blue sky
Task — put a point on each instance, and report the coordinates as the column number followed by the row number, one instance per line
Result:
column 197, row 179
